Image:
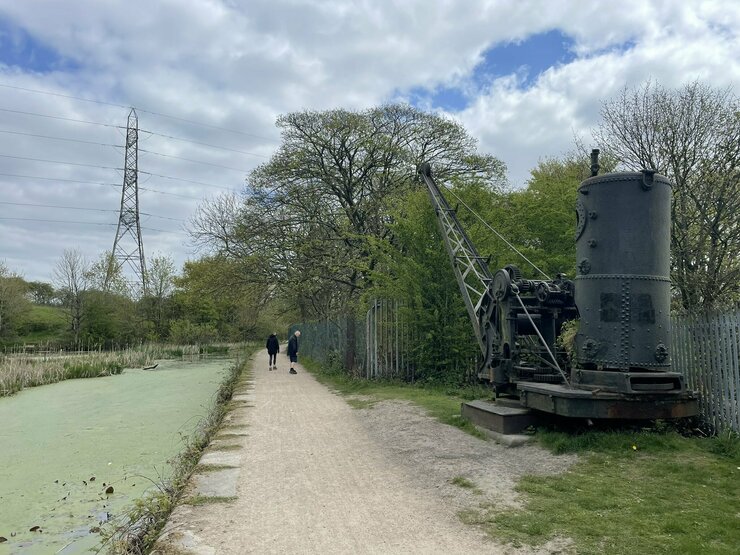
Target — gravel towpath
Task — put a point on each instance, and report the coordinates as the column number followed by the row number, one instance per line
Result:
column 301, row 471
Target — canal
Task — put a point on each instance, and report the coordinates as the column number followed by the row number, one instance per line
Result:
column 63, row 445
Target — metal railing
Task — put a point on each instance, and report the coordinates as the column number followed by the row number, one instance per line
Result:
column 706, row 350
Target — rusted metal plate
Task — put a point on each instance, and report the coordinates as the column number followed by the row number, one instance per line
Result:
column 576, row 403
column 501, row 419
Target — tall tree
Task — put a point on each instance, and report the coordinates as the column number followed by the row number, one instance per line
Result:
column 71, row 275
column 313, row 210
column 105, row 274
column 691, row 135
column 160, row 276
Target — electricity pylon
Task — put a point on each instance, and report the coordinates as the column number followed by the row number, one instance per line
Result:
column 128, row 249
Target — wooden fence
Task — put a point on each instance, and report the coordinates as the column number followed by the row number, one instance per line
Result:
column 706, row 350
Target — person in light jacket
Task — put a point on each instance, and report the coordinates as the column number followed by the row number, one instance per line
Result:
column 273, row 348
column 293, row 350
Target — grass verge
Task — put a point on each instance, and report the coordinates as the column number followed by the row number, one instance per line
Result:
column 198, row 500
column 203, row 468
column 440, row 403
column 632, row 492
column 142, row 524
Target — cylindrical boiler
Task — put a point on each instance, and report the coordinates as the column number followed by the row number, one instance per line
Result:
column 623, row 271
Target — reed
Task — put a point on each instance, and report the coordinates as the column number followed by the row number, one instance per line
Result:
column 21, row 369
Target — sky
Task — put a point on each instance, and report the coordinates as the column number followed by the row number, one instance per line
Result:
column 208, row 78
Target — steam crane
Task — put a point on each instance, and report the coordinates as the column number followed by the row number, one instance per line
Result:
column 620, row 368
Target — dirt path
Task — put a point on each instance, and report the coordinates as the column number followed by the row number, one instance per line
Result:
column 314, row 475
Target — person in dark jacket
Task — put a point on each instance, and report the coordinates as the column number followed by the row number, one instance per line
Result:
column 293, row 350
column 273, row 348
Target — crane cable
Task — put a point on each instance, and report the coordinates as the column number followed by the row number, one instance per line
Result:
column 512, row 247
column 515, row 290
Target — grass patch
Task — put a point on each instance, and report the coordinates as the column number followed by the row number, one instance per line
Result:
column 203, row 468
column 357, row 403
column 464, row 483
column 42, row 325
column 230, row 436
column 224, row 447
column 214, row 349
column 198, row 500
column 441, row 403
column 632, row 492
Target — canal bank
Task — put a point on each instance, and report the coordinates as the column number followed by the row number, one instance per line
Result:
column 75, row 454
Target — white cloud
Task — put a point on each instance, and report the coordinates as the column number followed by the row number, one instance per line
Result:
column 238, row 65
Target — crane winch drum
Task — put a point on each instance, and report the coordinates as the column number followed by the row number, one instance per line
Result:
column 623, row 282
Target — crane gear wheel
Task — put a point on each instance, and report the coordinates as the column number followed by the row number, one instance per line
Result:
column 501, row 284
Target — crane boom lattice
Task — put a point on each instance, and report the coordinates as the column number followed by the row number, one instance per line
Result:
column 471, row 269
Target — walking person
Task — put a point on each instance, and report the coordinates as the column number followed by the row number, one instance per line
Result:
column 273, row 348
column 293, row 350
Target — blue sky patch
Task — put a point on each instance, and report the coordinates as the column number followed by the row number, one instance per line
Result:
column 447, row 98
column 530, row 57
column 20, row 49
column 527, row 58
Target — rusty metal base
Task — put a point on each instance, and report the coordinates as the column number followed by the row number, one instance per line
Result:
column 499, row 418
column 580, row 403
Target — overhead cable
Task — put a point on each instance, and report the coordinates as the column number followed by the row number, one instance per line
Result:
column 117, row 169
column 117, row 185
column 191, row 160
column 512, row 247
column 160, row 114
column 36, row 114
column 203, row 144
column 69, row 139
column 85, row 208
column 83, row 223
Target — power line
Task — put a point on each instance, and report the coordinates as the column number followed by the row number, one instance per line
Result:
column 36, row 114
column 160, row 114
column 57, row 206
column 85, row 208
column 185, row 180
column 166, row 193
column 94, row 183
column 191, row 160
column 68, row 139
column 117, row 169
column 58, row 179
column 166, row 136
column 60, row 162
column 58, row 138
column 62, row 95
column 83, row 223
column 54, row 221
column 203, row 144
